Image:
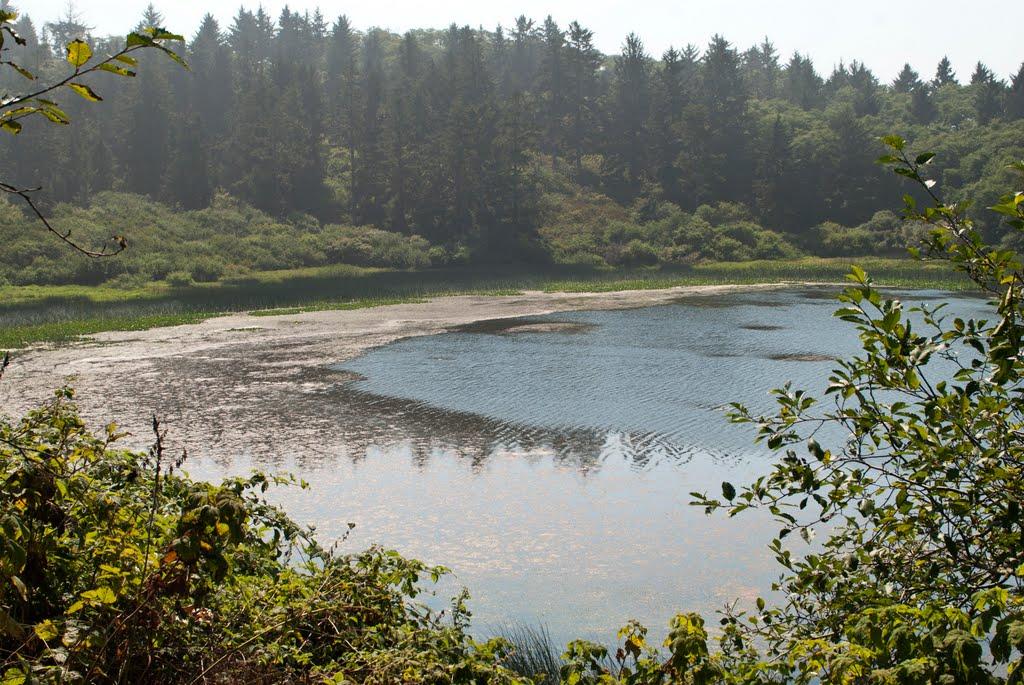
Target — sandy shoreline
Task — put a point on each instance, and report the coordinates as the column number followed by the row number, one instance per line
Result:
column 256, row 383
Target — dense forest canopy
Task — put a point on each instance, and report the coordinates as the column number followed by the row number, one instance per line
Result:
column 523, row 141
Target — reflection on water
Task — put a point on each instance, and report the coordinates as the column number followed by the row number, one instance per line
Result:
column 549, row 461
column 660, row 375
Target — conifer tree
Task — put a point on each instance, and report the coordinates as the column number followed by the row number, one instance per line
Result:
column 1015, row 96
column 728, row 165
column 944, row 74
column 802, row 84
column 553, row 88
column 988, row 92
column 370, row 186
column 626, row 140
column 583, row 62
column 907, row 80
column 342, row 83
column 210, row 61
column 773, row 187
column 922, row 104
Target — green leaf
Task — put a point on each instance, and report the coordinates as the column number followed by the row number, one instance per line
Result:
column 728, row 491
column 895, row 142
column 137, row 40
column 164, row 34
column 79, row 53
column 85, row 91
column 125, row 59
column 12, row 127
column 176, row 57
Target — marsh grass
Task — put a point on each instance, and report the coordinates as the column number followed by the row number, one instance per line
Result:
column 32, row 314
column 896, row 273
column 336, row 306
column 534, row 654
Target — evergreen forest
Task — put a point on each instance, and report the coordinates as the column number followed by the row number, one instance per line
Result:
column 302, row 140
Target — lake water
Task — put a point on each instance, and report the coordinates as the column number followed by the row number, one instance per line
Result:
column 548, row 462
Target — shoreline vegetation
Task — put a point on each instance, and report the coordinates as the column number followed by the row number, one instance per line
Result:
column 55, row 314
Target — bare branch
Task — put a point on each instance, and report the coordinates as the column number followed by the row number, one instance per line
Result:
column 25, row 194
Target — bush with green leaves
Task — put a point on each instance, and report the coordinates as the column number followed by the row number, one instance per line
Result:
column 367, row 246
column 884, row 234
column 115, row 567
column 226, row 239
column 590, row 229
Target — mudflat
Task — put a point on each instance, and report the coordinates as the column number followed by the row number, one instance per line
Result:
column 255, row 384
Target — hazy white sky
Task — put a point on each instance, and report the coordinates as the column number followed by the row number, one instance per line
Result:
column 882, row 33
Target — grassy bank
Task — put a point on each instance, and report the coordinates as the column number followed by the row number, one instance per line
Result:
column 32, row 314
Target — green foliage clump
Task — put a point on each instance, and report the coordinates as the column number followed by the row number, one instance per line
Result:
column 591, row 229
column 366, row 246
column 115, row 567
column 884, row 234
column 228, row 238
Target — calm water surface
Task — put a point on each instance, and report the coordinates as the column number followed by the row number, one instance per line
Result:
column 548, row 462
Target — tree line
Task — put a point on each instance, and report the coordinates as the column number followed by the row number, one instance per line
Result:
column 457, row 135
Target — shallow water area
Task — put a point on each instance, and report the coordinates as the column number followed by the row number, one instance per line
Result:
column 548, row 460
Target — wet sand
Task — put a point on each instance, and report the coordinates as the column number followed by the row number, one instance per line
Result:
column 257, row 385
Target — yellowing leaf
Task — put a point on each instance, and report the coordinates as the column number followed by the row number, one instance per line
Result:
column 79, row 53
column 103, row 595
column 13, row 676
column 222, row 529
column 24, row 72
column 85, row 91
column 46, row 630
column 114, row 69
column 20, row 587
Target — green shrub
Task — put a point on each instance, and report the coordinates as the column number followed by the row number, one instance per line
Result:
column 207, row 270
column 839, row 241
column 637, row 253
column 180, row 279
column 116, row 568
column 226, row 239
column 883, row 234
column 365, row 246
